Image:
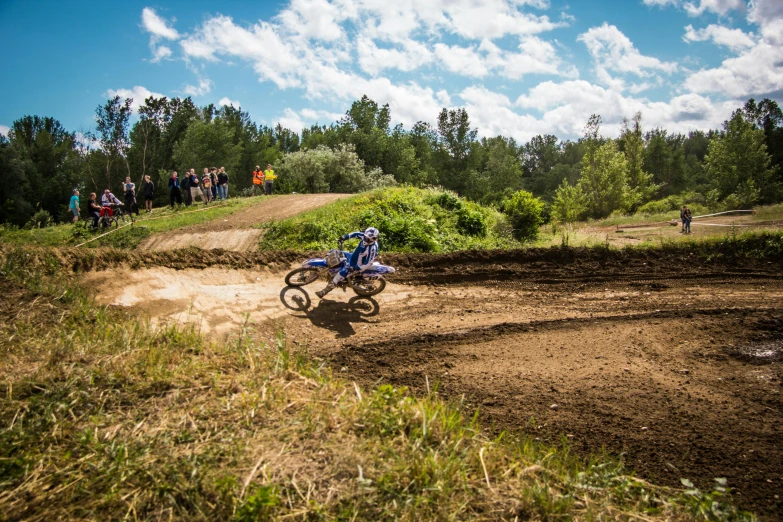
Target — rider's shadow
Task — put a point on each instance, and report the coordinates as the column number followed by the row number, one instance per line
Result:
column 336, row 316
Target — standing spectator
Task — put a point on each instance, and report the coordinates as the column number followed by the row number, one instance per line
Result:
column 258, row 179
column 687, row 221
column 682, row 218
column 195, row 190
column 206, row 182
column 213, row 180
column 74, row 205
column 174, row 192
column 269, row 178
column 94, row 209
column 130, row 195
column 222, row 185
column 184, row 184
column 149, row 193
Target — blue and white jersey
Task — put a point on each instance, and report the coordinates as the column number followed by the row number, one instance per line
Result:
column 364, row 255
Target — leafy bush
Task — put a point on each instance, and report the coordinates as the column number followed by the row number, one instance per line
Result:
column 409, row 219
column 329, row 170
column 525, row 213
column 40, row 219
column 471, row 222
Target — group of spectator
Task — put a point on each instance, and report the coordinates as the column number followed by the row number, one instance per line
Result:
column 264, row 180
column 211, row 186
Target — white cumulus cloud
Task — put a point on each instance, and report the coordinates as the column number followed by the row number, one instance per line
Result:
column 226, row 101
column 734, row 39
column 757, row 70
column 138, row 94
column 204, row 87
column 613, row 52
column 4, row 130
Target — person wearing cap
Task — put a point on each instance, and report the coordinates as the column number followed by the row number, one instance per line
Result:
column 258, row 179
column 74, row 205
column 269, row 178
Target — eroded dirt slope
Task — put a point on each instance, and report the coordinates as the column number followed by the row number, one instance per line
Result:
column 679, row 368
column 236, row 232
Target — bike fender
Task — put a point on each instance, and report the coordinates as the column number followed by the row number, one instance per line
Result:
column 314, row 263
column 379, row 269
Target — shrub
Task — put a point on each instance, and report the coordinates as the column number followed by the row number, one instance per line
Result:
column 40, row 219
column 525, row 213
column 448, row 200
column 471, row 222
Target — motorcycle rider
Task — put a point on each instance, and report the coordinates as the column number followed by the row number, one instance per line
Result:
column 361, row 259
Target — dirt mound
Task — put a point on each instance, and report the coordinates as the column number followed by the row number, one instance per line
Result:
column 236, row 232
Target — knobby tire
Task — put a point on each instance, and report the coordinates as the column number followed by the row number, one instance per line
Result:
column 302, row 276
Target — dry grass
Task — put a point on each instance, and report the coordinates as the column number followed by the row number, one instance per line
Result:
column 105, row 417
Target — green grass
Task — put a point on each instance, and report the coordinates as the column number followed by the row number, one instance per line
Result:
column 105, row 417
column 160, row 220
column 410, row 220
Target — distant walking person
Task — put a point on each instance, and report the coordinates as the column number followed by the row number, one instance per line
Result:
column 74, row 205
column 269, row 179
column 222, row 184
column 174, row 192
column 149, row 193
column 682, row 218
column 258, row 179
column 687, row 221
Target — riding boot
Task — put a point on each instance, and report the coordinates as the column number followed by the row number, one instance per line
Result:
column 326, row 290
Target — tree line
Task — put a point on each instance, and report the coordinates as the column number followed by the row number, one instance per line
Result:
column 647, row 170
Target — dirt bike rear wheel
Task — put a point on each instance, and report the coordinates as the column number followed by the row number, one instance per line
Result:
column 368, row 287
column 302, row 276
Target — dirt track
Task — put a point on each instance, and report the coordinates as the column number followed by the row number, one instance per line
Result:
column 678, row 369
column 236, row 231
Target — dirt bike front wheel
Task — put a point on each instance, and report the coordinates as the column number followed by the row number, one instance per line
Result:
column 301, row 276
column 368, row 287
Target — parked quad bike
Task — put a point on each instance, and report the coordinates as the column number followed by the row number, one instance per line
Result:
column 366, row 283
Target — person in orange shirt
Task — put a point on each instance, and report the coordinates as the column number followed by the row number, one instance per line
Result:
column 258, row 180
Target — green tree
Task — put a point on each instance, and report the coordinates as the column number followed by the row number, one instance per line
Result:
column 569, row 204
column 525, row 212
column 738, row 163
column 208, row 144
column 604, row 182
column 49, row 160
column 632, row 141
column 112, row 120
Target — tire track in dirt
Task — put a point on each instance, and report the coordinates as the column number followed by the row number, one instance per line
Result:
column 235, row 232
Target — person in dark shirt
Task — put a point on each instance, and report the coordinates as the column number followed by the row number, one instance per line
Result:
column 149, row 193
column 184, row 185
column 94, row 208
column 174, row 192
column 222, row 184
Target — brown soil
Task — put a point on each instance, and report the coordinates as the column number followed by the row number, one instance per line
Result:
column 676, row 366
column 236, row 232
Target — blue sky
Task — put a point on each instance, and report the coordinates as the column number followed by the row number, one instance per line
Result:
column 520, row 67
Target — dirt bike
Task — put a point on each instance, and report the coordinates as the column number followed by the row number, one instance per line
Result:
column 365, row 283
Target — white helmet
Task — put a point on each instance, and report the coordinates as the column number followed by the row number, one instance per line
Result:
column 371, row 235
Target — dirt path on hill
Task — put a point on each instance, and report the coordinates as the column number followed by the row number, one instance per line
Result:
column 236, row 232
column 680, row 371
